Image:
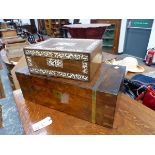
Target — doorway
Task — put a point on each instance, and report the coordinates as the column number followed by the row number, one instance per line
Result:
column 137, row 37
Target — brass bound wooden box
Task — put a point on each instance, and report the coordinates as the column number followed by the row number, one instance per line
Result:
column 77, row 59
column 93, row 101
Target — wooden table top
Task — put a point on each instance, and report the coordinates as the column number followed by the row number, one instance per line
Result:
column 131, row 117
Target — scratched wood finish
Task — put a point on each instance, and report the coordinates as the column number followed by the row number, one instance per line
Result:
column 79, row 99
column 1, row 121
column 91, row 48
column 131, row 118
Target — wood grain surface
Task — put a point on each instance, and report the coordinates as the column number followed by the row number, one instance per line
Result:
column 70, row 65
column 94, row 103
column 131, row 117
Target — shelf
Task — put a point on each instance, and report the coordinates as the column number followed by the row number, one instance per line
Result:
column 107, row 49
column 53, row 26
column 106, row 45
column 108, row 37
column 110, row 29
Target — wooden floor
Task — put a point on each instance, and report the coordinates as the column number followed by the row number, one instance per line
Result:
column 131, row 117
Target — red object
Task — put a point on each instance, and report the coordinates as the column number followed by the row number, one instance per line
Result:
column 140, row 96
column 149, row 98
column 150, row 55
column 40, row 39
column 87, row 31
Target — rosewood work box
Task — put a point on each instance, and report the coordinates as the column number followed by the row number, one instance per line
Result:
column 77, row 59
column 93, row 101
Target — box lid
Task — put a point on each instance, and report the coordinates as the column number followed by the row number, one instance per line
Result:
column 67, row 44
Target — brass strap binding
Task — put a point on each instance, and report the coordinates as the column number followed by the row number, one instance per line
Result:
column 94, row 106
column 94, row 91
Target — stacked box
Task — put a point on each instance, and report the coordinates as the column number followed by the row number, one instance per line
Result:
column 68, row 75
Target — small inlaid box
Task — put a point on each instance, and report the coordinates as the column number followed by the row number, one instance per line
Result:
column 77, row 59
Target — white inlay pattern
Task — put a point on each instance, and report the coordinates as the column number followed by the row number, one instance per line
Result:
column 58, row 55
column 85, row 67
column 54, row 62
column 29, row 61
column 55, row 59
column 59, row 74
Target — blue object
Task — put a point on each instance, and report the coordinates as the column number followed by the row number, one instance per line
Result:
column 145, row 79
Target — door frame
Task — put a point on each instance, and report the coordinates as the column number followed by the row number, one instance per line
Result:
column 125, row 38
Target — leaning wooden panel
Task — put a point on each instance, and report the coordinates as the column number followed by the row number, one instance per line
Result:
column 77, row 59
column 88, row 101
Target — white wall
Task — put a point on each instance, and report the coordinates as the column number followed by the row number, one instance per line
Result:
column 36, row 23
column 152, row 37
column 25, row 21
column 1, row 20
column 83, row 21
column 122, row 35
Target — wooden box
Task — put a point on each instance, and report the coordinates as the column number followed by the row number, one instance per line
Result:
column 15, row 50
column 77, row 59
column 93, row 101
column 8, row 32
